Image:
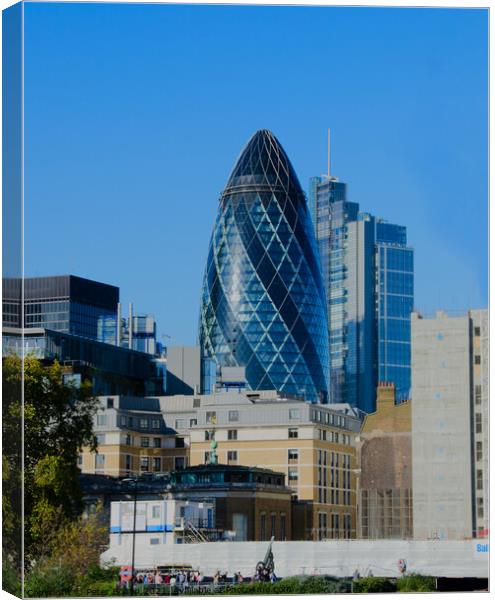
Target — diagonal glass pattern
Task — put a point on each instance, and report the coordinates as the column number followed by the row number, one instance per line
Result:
column 263, row 301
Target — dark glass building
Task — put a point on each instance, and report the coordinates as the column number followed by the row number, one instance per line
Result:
column 63, row 303
column 263, row 303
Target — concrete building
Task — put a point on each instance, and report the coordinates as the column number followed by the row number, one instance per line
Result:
column 183, row 370
column 384, row 455
column 313, row 445
column 449, row 425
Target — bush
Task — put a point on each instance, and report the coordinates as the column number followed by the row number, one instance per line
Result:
column 414, row 582
column 290, row 585
column 45, row 581
column 373, row 585
column 11, row 579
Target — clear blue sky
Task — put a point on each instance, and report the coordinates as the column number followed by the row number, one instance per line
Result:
column 135, row 114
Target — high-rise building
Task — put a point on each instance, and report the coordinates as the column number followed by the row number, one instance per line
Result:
column 65, row 303
column 367, row 270
column 450, row 425
column 263, row 302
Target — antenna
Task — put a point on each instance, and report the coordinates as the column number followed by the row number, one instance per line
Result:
column 328, row 170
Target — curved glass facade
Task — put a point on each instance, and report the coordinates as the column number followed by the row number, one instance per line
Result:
column 263, row 302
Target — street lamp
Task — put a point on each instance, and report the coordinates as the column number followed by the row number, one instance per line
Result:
column 135, row 482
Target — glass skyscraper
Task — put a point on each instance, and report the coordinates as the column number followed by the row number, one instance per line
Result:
column 368, row 274
column 263, row 301
column 395, row 301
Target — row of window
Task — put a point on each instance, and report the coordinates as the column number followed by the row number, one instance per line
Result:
column 129, row 421
column 280, row 534
column 335, row 531
column 146, row 463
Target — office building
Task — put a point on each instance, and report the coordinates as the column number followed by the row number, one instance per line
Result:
column 449, row 425
column 64, row 303
column 133, row 438
column 312, row 445
column 367, row 270
column 137, row 332
column 263, row 302
column 385, row 469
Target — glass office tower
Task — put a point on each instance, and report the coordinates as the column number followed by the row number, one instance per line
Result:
column 368, row 274
column 263, row 302
column 331, row 213
column 395, row 300
column 63, row 303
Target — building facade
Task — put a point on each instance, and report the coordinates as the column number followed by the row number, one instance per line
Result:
column 312, row 445
column 449, row 425
column 64, row 303
column 385, row 508
column 263, row 302
column 133, row 438
column 367, row 270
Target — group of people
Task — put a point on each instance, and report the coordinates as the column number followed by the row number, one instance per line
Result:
column 180, row 579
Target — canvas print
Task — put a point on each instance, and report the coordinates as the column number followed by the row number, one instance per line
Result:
column 245, row 299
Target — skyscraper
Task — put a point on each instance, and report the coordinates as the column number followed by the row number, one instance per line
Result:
column 367, row 270
column 263, row 302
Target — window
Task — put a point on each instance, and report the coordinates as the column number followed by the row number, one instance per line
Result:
column 294, row 413
column 479, row 504
column 273, row 520
column 477, row 394
column 477, row 331
column 193, row 422
column 145, row 442
column 155, row 511
column 157, row 442
column 100, row 438
column 232, row 456
column 143, row 423
column 479, row 479
column 99, row 462
column 322, row 434
column 79, row 459
column 101, row 420
column 157, row 463
column 211, row 417
column 144, row 463
column 293, row 475
column 479, row 450
column 109, row 402
column 283, row 527
column 123, row 420
column 130, row 421
column 479, row 425
column 129, row 440
column 347, row 526
column 209, row 435
column 293, row 433
column 207, row 458
column 154, row 541
column 262, row 527
column 477, row 359
column 196, row 402
column 180, row 442
column 232, row 434
column 128, row 462
column 155, row 423
column 180, row 423
column 180, row 463
column 233, row 415
column 293, row 454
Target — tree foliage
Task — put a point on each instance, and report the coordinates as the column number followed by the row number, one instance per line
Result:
column 54, row 423
column 374, row 585
column 414, row 582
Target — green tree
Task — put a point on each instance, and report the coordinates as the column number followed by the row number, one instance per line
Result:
column 374, row 585
column 58, row 422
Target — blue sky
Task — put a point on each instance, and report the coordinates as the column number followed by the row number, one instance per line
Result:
column 135, row 114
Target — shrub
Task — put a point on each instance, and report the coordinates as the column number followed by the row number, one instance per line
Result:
column 414, row 582
column 373, row 585
column 46, row 580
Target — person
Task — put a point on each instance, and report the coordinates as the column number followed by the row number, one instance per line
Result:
column 240, row 578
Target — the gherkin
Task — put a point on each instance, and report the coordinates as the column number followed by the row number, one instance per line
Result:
column 263, row 302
